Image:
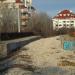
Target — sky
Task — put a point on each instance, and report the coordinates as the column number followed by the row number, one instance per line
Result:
column 52, row 7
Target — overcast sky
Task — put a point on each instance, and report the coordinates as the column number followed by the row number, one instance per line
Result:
column 53, row 6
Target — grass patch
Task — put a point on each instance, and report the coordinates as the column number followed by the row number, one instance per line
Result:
column 62, row 57
column 66, row 63
column 68, row 38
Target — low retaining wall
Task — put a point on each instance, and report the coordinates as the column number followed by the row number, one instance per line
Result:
column 7, row 47
column 3, row 50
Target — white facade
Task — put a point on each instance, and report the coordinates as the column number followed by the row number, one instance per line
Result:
column 64, row 19
column 60, row 23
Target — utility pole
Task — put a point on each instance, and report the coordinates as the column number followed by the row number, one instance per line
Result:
column 19, row 19
column 60, row 36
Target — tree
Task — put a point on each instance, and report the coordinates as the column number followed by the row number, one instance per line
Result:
column 2, row 1
column 41, row 23
column 8, row 21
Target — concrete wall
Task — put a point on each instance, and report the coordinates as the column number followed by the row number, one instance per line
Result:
column 3, row 50
column 7, row 47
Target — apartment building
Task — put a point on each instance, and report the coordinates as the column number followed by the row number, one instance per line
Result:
column 64, row 19
column 27, row 3
column 23, row 10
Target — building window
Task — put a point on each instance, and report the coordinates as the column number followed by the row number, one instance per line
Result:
column 67, row 25
column 60, row 14
column 56, row 25
column 64, row 14
column 71, row 24
column 64, row 24
column 24, row 13
column 64, row 21
column 22, row 1
column 68, row 14
column 72, row 21
column 67, row 21
column 60, row 25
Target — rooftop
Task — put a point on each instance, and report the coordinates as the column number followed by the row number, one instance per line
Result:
column 65, row 14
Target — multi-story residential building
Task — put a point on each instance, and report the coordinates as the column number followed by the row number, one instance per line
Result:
column 64, row 19
column 27, row 3
column 23, row 9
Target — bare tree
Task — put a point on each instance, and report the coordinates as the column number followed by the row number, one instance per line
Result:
column 8, row 20
column 41, row 23
column 2, row 0
column 0, row 13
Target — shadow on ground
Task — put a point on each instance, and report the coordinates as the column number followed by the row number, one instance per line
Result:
column 13, row 48
column 6, row 63
column 17, row 45
column 42, row 71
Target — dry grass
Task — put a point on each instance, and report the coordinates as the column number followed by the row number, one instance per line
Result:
column 68, row 38
column 62, row 57
column 66, row 63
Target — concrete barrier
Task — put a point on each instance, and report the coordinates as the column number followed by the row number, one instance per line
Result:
column 3, row 50
column 7, row 47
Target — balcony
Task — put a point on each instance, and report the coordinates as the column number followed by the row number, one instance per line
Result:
column 23, row 23
column 24, row 10
column 24, row 17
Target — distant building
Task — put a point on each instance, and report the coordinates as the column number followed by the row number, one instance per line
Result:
column 27, row 3
column 24, row 9
column 64, row 19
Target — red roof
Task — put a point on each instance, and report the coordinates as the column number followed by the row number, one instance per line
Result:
column 65, row 14
column 18, row 1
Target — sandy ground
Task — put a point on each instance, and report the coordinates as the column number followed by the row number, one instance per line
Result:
column 47, row 51
column 47, row 54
